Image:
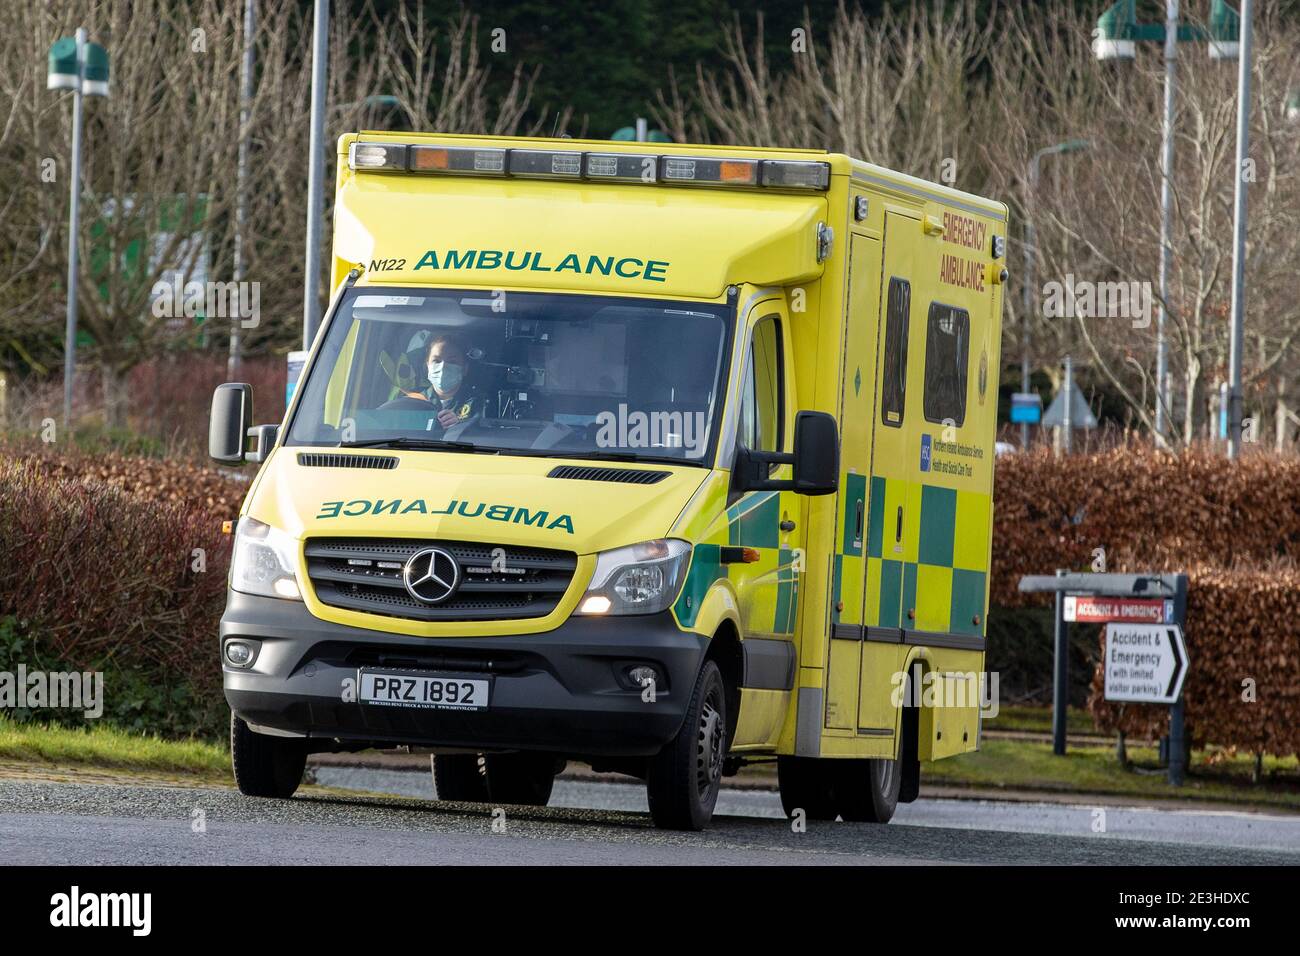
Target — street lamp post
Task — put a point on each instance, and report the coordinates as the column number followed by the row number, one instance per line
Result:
column 1235, row 396
column 315, row 173
column 241, row 176
column 81, row 66
column 1166, row 209
column 1116, row 38
column 1030, row 293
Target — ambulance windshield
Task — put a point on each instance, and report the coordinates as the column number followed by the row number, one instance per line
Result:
column 569, row 376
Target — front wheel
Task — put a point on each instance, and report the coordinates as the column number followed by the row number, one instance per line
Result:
column 686, row 776
column 265, row 766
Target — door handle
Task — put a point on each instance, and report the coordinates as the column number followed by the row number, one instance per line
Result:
column 857, row 534
column 787, row 525
column 898, row 529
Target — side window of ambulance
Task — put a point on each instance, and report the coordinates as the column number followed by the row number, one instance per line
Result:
column 761, row 410
column 947, row 354
column 898, row 307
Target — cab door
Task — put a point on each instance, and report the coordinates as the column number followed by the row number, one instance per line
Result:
column 766, row 525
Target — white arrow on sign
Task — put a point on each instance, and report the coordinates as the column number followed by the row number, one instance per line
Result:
column 1145, row 663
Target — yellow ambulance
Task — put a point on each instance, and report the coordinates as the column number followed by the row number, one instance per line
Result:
column 663, row 459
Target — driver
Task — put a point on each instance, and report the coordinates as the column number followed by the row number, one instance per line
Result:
column 447, row 364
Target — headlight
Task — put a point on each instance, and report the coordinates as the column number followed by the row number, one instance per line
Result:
column 639, row 579
column 265, row 561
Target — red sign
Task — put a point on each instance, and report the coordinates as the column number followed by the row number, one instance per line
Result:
column 1102, row 610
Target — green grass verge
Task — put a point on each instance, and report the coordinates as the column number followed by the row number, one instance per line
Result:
column 1039, row 720
column 1024, row 765
column 1010, row 765
column 109, row 747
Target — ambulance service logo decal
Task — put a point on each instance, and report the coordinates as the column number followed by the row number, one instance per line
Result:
column 984, row 374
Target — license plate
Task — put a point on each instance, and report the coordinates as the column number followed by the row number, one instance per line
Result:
column 423, row 691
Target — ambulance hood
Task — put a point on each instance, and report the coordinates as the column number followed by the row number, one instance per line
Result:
column 493, row 499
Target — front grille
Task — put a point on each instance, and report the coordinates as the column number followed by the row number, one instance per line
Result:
column 365, row 574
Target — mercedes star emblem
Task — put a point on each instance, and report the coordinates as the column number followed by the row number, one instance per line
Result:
column 431, row 575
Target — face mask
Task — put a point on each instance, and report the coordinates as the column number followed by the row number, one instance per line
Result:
column 445, row 376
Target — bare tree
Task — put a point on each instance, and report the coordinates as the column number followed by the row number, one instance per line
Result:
column 158, row 188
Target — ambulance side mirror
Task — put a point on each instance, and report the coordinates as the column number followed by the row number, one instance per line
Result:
column 816, row 460
column 816, row 454
column 232, row 416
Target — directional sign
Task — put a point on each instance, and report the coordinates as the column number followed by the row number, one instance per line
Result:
column 1145, row 663
column 1081, row 415
column 1026, row 407
column 1101, row 610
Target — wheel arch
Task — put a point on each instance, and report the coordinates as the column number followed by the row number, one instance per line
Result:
column 724, row 650
column 917, row 665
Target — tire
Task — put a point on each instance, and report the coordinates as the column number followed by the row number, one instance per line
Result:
column 685, row 777
column 265, row 766
column 806, row 784
column 519, row 779
column 866, row 790
column 459, row 778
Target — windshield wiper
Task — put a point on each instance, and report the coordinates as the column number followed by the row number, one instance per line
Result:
column 398, row 441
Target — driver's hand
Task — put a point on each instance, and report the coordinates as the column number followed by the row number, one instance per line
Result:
column 447, row 418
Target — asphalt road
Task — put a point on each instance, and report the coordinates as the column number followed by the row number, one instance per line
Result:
column 44, row 823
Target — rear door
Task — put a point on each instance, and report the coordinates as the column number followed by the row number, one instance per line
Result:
column 857, row 375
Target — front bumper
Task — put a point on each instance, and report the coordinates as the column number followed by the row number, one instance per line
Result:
column 561, row 691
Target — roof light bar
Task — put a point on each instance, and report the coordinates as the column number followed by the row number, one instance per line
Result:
column 548, row 164
column 788, row 174
column 622, row 167
column 697, row 170
column 594, row 167
column 377, row 156
column 467, row 160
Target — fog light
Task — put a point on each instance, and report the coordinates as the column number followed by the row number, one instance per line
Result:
column 596, row 604
column 239, row 654
column 643, row 675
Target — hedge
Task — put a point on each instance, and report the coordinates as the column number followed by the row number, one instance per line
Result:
column 1149, row 511
column 1243, row 683
column 98, row 551
column 117, row 565
column 1233, row 527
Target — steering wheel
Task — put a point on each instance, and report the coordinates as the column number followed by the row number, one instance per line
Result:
column 406, row 403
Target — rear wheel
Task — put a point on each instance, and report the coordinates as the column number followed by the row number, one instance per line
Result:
column 460, row 778
column 686, row 775
column 866, row 790
column 805, row 784
column 518, row 779
column 521, row 779
column 265, row 766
